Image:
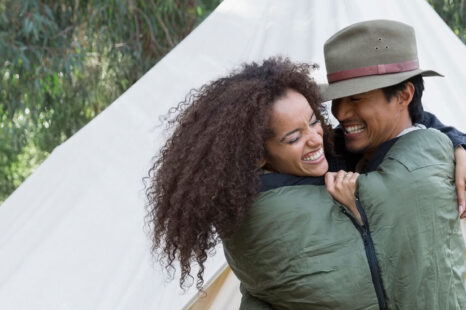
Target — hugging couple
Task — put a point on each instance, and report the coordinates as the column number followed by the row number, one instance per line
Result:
column 363, row 216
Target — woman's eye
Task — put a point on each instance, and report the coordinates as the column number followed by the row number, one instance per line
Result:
column 293, row 140
column 314, row 122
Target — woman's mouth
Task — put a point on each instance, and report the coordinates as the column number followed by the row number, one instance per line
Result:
column 314, row 156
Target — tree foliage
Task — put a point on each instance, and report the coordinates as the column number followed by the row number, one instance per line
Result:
column 453, row 12
column 63, row 62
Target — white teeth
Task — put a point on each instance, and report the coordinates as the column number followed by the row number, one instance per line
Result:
column 314, row 155
column 355, row 129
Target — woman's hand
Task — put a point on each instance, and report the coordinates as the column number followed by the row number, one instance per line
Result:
column 342, row 186
column 460, row 180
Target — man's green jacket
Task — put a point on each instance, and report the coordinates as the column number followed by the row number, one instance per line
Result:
column 411, row 204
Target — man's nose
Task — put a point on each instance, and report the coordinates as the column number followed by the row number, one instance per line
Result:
column 342, row 109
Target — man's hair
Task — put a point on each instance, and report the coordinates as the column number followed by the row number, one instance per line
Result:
column 415, row 108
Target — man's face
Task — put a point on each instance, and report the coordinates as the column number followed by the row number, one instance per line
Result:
column 369, row 119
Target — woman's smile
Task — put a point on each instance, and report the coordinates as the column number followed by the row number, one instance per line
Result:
column 314, row 157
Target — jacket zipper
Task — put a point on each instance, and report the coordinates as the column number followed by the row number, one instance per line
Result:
column 370, row 252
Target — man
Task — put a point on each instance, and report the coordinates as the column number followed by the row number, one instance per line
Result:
column 408, row 222
column 368, row 63
column 408, row 200
column 410, row 226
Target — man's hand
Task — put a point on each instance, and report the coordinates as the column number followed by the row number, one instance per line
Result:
column 342, row 186
column 460, row 180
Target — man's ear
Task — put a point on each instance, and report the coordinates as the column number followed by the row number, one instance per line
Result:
column 406, row 95
column 263, row 162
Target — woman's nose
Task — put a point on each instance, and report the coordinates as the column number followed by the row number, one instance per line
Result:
column 314, row 137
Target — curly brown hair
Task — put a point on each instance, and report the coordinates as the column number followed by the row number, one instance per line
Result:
column 207, row 174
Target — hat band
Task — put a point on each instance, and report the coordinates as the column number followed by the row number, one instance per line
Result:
column 373, row 70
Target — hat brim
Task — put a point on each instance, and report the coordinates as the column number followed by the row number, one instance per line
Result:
column 367, row 83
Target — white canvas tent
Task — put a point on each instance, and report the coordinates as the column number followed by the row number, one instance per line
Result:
column 71, row 236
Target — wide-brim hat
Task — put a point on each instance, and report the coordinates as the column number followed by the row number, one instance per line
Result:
column 370, row 55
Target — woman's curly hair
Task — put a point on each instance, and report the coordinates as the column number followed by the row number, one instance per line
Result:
column 207, row 174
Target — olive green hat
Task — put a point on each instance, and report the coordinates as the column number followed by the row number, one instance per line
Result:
column 370, row 55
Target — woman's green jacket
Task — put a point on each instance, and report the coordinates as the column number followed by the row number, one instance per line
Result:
column 300, row 249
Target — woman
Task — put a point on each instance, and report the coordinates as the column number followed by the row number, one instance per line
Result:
column 209, row 173
column 286, row 239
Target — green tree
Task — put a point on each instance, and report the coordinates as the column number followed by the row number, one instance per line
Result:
column 453, row 12
column 63, row 62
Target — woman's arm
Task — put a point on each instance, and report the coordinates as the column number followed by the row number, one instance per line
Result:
column 457, row 137
column 342, row 185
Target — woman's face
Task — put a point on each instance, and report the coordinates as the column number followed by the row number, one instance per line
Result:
column 297, row 145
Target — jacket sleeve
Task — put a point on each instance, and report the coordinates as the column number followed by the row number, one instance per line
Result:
column 457, row 137
column 249, row 302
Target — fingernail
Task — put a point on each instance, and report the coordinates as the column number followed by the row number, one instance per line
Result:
column 461, row 209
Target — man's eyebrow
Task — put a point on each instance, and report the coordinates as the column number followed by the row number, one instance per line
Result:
column 361, row 95
column 294, row 130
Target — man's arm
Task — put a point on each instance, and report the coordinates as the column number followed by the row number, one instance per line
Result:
column 460, row 179
column 249, row 302
column 459, row 142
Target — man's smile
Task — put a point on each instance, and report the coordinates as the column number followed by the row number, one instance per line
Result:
column 353, row 128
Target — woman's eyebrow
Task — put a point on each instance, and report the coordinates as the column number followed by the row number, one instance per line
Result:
column 289, row 133
column 294, row 130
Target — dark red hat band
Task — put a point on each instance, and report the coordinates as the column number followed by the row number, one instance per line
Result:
column 373, row 70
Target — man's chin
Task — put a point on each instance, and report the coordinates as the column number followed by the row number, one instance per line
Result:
column 357, row 149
